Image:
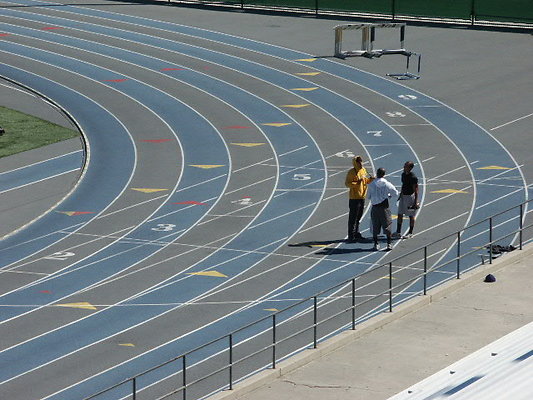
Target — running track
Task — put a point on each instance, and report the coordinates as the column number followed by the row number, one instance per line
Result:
column 208, row 155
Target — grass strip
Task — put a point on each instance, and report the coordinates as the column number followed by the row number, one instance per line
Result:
column 26, row 132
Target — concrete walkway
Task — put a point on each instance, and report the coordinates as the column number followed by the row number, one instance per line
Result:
column 393, row 351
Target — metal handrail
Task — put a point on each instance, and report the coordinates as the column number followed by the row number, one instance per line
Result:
column 350, row 282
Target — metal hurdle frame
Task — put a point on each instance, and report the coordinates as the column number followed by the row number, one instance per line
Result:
column 368, row 36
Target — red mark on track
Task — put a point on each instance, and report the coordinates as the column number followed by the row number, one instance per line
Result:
column 49, row 28
column 156, row 140
column 115, row 80
column 45, row 291
column 173, row 69
column 191, row 202
column 237, row 127
column 4, row 34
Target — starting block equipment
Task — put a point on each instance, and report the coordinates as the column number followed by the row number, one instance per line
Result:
column 368, row 37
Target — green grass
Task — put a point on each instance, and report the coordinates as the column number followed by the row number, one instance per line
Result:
column 25, row 132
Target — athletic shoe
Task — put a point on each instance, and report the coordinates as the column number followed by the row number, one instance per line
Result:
column 408, row 236
column 396, row 235
column 376, row 247
column 389, row 247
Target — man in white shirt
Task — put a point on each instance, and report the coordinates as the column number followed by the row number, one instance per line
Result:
column 379, row 192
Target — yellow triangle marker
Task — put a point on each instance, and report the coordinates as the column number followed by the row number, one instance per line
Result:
column 69, row 213
column 307, row 89
column 147, row 190
column 248, row 144
column 308, row 73
column 493, row 167
column 208, row 273
column 449, row 191
column 306, row 59
column 126, row 344
column 295, row 105
column 271, row 309
column 319, row 245
column 206, row 166
column 73, row 213
column 277, row 124
column 83, row 305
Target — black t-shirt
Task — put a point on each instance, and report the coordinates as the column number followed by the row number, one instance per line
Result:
column 408, row 181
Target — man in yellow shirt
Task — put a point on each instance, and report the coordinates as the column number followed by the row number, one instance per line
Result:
column 357, row 180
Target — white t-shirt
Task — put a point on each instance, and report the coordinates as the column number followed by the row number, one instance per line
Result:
column 380, row 189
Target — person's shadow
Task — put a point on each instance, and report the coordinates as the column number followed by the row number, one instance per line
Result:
column 332, row 251
column 316, row 243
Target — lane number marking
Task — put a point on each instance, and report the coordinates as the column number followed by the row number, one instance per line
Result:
column 164, row 227
column 60, row 255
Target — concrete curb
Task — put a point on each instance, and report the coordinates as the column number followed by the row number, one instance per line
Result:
column 269, row 375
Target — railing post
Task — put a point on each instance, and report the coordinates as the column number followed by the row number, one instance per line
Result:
column 473, row 13
column 353, row 304
column 315, row 321
column 230, row 361
column 184, row 377
column 393, row 9
column 490, row 240
column 134, row 388
column 273, row 341
column 521, row 223
column 425, row 269
column 390, row 287
column 459, row 255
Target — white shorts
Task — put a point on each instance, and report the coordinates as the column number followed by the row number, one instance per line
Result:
column 406, row 201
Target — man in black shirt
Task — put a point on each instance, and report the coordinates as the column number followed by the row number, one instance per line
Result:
column 408, row 204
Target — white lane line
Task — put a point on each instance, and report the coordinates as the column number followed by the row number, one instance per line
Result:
column 29, row 273
column 510, row 122
column 499, row 198
column 39, row 180
column 421, row 124
column 383, row 156
column 387, row 144
column 132, row 206
column 16, row 88
column 446, row 173
column 229, row 215
column 41, row 162
column 427, row 106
